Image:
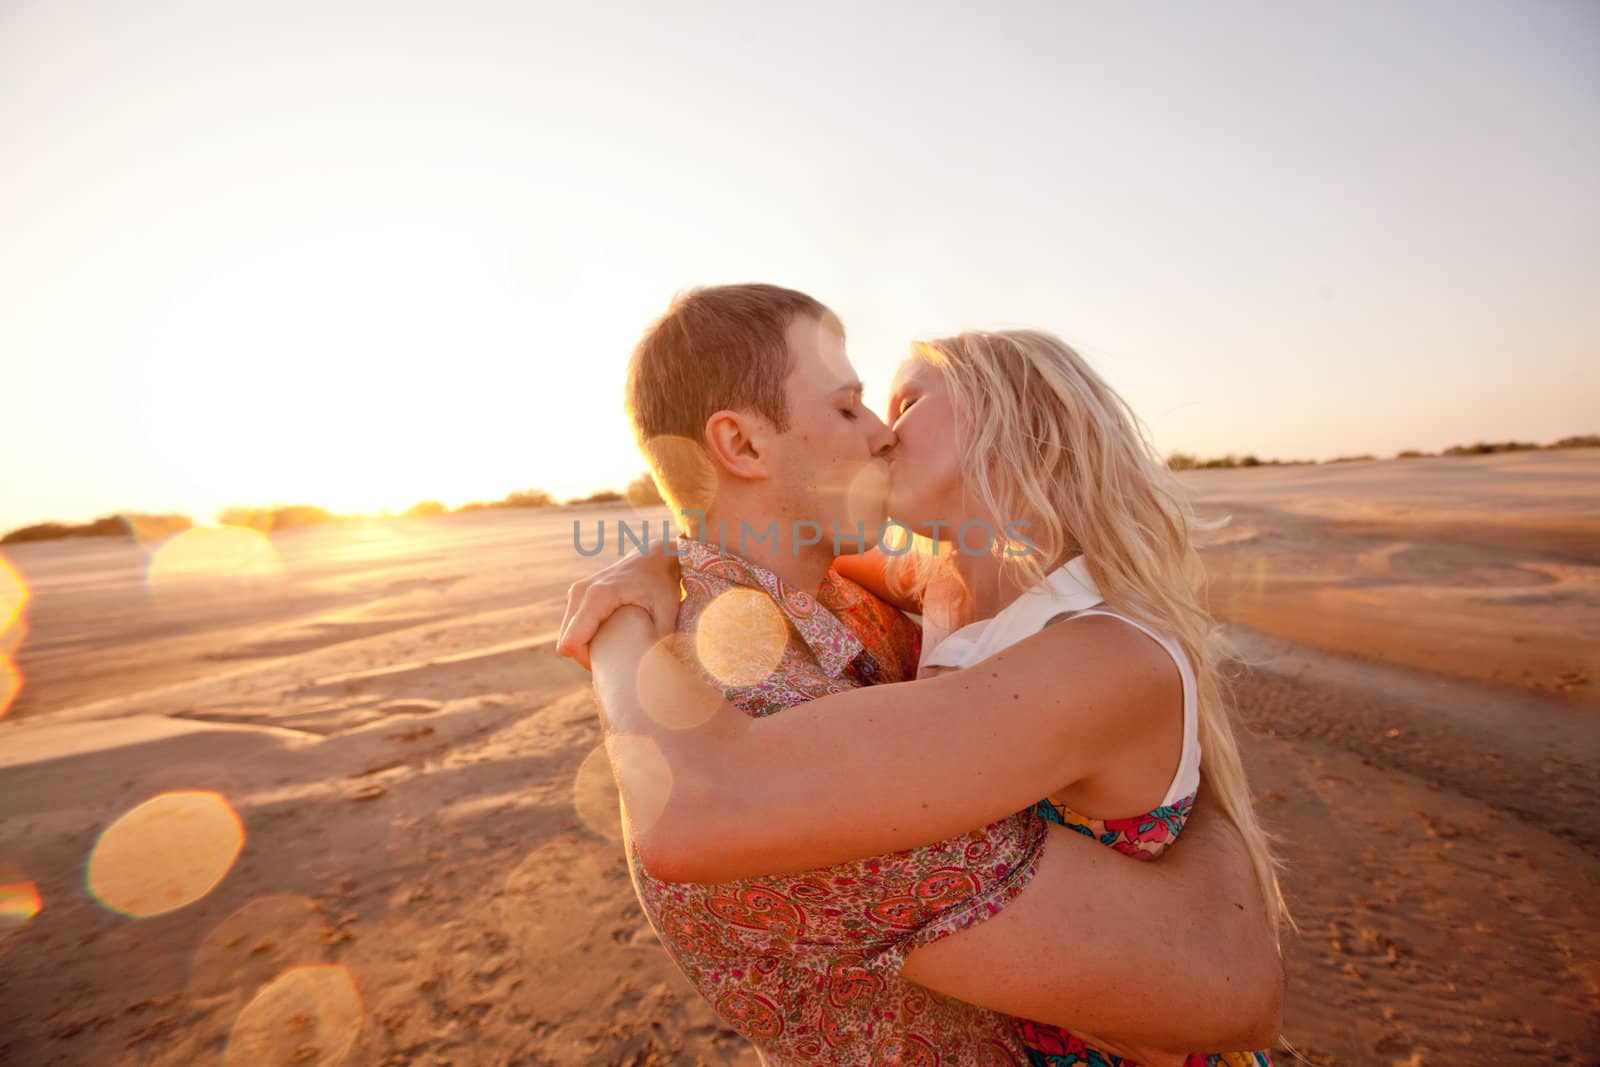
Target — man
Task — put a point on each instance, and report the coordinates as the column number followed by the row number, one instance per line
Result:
column 744, row 400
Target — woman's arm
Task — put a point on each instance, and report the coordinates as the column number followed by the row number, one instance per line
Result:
column 871, row 570
column 1175, row 955
column 648, row 580
column 878, row 769
column 1178, row 955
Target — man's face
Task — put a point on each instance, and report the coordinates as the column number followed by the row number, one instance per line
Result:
column 832, row 463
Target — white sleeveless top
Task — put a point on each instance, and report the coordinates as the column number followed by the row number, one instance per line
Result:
column 1069, row 591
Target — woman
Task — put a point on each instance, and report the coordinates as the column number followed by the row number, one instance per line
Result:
column 1093, row 583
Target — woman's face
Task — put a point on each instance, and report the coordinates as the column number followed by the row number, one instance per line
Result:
column 925, row 464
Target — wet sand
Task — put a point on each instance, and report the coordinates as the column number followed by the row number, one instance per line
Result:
column 430, row 872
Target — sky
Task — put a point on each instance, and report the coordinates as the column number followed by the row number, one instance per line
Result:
column 359, row 255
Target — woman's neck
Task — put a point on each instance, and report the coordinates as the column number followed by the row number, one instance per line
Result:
column 986, row 586
column 971, row 588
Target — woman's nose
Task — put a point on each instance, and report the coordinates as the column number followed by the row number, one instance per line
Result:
column 880, row 439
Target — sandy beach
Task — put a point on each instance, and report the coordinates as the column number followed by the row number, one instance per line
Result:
column 399, row 847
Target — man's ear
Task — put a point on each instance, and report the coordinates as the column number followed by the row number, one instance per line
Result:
column 737, row 441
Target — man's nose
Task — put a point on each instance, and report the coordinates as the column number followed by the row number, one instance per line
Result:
column 882, row 439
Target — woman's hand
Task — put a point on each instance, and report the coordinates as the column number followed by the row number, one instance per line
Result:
column 871, row 570
column 648, row 580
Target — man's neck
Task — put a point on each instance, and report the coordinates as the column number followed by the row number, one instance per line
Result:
column 797, row 566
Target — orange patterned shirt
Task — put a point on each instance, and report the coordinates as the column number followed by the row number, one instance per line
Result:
column 806, row 966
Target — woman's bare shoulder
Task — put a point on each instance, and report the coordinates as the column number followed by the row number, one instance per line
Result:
column 1113, row 642
column 1125, row 671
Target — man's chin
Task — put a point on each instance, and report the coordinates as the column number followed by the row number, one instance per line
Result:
column 866, row 498
column 869, row 526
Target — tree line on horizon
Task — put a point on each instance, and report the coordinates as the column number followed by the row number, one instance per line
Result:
column 1183, row 461
column 642, row 492
column 143, row 527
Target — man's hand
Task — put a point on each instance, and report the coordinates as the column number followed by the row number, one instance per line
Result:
column 648, row 580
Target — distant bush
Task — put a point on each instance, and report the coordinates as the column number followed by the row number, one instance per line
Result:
column 147, row 528
column 276, row 517
column 643, row 492
column 109, row 526
column 527, row 498
column 524, row 498
column 1485, row 448
column 43, row 531
column 130, row 525
column 293, row 515
column 254, row 518
column 605, row 496
column 1182, row 461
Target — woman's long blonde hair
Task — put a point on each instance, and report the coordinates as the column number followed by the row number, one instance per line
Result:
column 1045, row 440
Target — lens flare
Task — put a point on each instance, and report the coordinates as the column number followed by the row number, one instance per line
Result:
column 13, row 594
column 646, row 786
column 259, row 941
column 13, row 628
column 148, row 531
column 866, row 505
column 214, row 560
column 644, row 776
column 10, row 683
column 594, row 795
column 666, row 691
column 11, row 637
column 685, row 469
column 741, row 637
column 19, row 902
column 168, row 852
column 645, row 497
column 306, row 1016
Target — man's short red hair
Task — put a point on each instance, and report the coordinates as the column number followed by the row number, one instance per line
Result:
column 716, row 348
